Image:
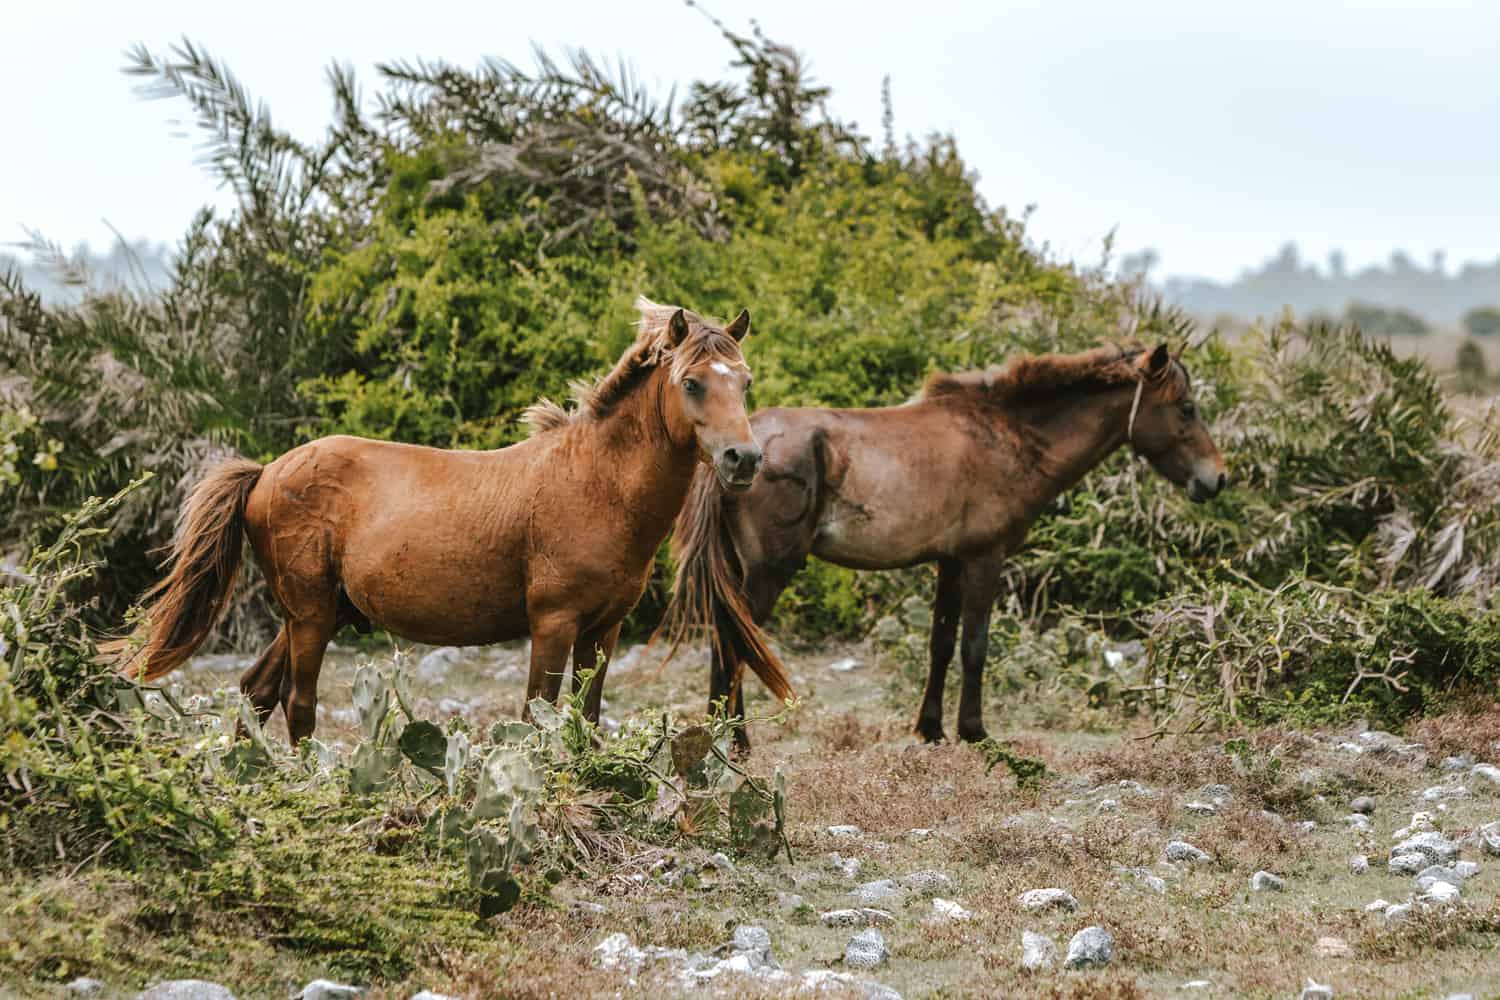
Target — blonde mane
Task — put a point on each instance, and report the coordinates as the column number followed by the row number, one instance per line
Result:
column 652, row 349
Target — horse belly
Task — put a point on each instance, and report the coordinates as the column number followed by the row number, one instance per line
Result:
column 450, row 594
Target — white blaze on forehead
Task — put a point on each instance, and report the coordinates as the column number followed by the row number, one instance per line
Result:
column 720, row 367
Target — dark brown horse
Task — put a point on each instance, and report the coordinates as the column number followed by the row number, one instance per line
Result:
column 554, row 536
column 955, row 477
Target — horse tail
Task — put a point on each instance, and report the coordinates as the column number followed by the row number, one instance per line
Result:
column 183, row 608
column 709, row 589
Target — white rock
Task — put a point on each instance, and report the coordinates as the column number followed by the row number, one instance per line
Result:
column 1108, row 805
column 186, row 989
column 874, row 892
column 1144, row 876
column 845, row 830
column 918, row 833
column 947, row 909
column 435, row 665
column 618, row 952
column 1437, row 848
column 1037, row 952
column 1363, row 804
column 1201, row 808
column 1439, row 792
column 1181, row 850
column 430, row 995
column 1265, row 881
column 790, row 901
column 1489, row 837
column 1090, row 946
column 864, row 916
column 847, row 867
column 927, row 880
column 845, row 665
column 1407, row 864
column 1453, row 764
column 1440, row 893
column 866, row 950
column 721, row 861
column 755, row 943
column 1489, row 772
column 1380, row 742
column 82, row 986
column 323, row 989
column 1307, row 825
column 1359, row 864
column 1037, row 900
column 1316, row 991
column 1397, row 911
column 1358, row 822
column 1196, row 984
column 1466, row 869
column 1377, row 906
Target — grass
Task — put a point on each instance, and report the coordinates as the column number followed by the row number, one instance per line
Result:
column 351, row 902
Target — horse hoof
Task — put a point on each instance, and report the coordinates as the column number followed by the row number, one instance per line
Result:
column 974, row 735
column 931, row 734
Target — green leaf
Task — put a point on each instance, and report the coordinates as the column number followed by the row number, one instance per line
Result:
column 498, row 892
column 511, row 731
column 545, row 715
column 372, row 768
column 372, row 700
column 507, row 775
column 424, row 745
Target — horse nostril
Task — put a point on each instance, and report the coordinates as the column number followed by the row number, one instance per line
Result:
column 1223, row 482
column 732, row 457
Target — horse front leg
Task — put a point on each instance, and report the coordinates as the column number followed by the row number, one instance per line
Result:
column 979, row 586
column 552, row 639
column 593, row 652
column 945, row 614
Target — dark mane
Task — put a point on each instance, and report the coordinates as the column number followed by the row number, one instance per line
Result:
column 652, row 349
column 1031, row 375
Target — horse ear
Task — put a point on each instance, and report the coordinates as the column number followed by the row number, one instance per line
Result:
column 1156, row 365
column 677, row 328
column 740, row 328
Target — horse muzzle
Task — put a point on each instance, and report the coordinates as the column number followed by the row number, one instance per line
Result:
column 737, row 467
column 1202, row 489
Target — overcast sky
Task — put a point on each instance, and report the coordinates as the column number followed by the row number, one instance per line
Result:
column 1212, row 132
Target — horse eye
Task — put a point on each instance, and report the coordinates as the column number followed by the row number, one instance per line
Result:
column 691, row 386
column 1188, row 409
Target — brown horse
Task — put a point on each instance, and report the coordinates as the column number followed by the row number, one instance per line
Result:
column 955, row 477
column 554, row 536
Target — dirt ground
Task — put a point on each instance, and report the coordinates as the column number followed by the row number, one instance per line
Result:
column 1097, row 828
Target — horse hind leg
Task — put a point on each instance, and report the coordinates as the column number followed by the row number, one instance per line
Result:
column 593, row 652
column 946, row 606
column 262, row 683
column 308, row 638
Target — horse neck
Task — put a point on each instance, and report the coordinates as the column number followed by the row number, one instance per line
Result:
column 1072, row 435
column 651, row 468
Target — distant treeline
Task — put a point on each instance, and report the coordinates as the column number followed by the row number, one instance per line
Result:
column 1433, row 294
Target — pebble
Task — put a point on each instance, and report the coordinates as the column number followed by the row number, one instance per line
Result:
column 1201, row 808
column 1489, row 772
column 918, row 833
column 1466, row 869
column 1263, row 881
column 1108, row 805
column 1438, row 873
column 755, row 943
column 874, row 892
column 1333, row 947
column 1037, row 900
column 1358, row 822
column 1489, row 838
column 1377, row 906
column 1436, row 847
column 1037, row 952
column 1378, row 741
column 1218, row 794
column 1363, row 804
column 790, row 901
column 864, row 916
column 947, row 909
column 1359, row 864
column 1196, row 984
column 1181, row 850
column 1307, row 825
column 186, row 989
column 1090, row 946
column 845, row 830
column 1316, row 991
column 866, row 950
column 721, row 861
column 845, row 665
column 1397, row 911
column 1454, row 764
column 83, row 986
